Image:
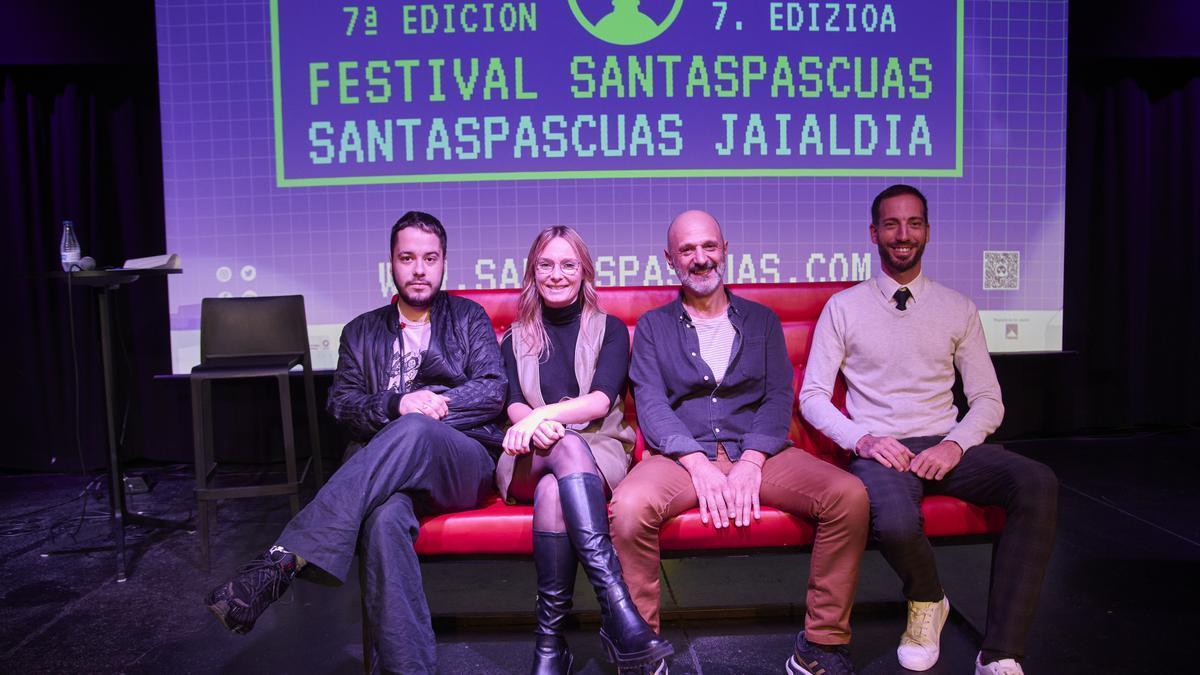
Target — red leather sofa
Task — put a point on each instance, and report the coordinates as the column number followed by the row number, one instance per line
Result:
column 499, row 529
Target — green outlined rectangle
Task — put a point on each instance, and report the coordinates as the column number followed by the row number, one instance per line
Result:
column 284, row 182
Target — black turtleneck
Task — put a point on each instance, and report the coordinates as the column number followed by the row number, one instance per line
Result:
column 558, row 369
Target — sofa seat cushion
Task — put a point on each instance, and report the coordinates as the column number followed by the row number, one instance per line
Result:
column 497, row 528
column 686, row 533
column 951, row 517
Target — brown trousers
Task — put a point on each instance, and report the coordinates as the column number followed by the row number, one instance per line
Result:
column 792, row 481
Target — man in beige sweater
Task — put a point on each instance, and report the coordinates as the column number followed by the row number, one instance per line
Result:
column 897, row 339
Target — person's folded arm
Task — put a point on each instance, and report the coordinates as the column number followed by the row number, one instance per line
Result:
column 825, row 359
column 661, row 427
column 481, row 398
column 576, row 410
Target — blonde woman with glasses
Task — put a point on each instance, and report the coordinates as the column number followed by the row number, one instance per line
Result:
column 568, row 447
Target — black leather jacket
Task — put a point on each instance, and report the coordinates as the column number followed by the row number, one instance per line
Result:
column 462, row 363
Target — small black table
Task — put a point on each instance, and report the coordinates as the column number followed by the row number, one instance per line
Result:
column 105, row 282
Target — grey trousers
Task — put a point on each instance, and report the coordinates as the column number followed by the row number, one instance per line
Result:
column 414, row 466
column 987, row 475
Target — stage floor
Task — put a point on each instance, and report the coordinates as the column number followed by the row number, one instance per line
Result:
column 1121, row 593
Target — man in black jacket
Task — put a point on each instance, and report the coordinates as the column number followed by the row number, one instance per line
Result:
column 419, row 384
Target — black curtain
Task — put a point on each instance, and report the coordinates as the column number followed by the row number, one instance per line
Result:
column 1133, row 242
column 80, row 143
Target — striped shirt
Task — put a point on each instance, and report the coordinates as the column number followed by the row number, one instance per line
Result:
column 716, row 343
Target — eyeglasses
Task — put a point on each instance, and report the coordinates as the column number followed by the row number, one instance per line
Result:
column 545, row 268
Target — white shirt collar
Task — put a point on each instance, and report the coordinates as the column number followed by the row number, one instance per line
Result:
column 888, row 287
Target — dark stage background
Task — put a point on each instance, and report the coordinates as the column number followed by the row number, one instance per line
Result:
column 79, row 138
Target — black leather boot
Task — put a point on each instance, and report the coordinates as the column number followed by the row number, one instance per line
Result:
column 554, row 558
column 626, row 636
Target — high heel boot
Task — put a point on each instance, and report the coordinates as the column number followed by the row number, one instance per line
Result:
column 554, row 558
column 627, row 638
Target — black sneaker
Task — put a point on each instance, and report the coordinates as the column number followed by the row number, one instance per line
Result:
column 810, row 659
column 657, row 668
column 238, row 602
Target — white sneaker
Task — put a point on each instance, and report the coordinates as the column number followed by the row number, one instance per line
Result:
column 1001, row 667
column 920, row 645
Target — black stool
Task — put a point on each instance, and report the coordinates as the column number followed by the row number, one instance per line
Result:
column 251, row 337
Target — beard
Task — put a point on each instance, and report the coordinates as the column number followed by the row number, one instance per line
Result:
column 418, row 297
column 899, row 266
column 706, row 286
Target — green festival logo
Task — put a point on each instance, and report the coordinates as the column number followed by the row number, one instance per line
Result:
column 625, row 24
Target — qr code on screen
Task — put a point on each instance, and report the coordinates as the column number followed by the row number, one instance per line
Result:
column 1001, row 270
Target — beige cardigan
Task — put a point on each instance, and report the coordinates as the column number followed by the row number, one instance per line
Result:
column 609, row 437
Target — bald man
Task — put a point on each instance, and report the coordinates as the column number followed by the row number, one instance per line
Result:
column 713, row 386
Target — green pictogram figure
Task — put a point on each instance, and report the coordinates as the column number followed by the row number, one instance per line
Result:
column 626, row 24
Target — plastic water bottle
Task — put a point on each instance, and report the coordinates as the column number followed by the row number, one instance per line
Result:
column 69, row 249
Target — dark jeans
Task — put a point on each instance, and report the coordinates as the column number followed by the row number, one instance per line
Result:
column 413, row 467
column 987, row 475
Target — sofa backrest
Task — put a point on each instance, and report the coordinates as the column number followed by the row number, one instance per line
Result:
column 798, row 306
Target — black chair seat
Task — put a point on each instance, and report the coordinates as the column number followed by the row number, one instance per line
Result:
column 258, row 365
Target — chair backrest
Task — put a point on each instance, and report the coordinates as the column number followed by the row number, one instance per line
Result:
column 233, row 327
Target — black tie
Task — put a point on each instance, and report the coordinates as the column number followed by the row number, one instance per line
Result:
column 902, row 296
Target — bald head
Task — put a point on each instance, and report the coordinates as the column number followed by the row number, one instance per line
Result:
column 693, row 221
column 696, row 251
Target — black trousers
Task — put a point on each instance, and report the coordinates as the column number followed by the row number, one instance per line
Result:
column 987, row 475
column 414, row 466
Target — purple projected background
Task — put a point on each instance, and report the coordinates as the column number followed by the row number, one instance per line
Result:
column 881, row 97
column 997, row 230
